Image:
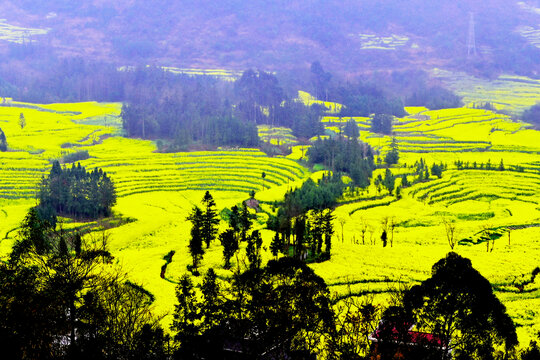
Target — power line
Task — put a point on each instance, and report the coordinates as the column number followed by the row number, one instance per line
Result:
column 471, row 42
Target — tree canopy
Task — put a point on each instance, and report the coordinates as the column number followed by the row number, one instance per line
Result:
column 434, row 98
column 61, row 298
column 457, row 305
column 75, row 192
column 280, row 309
column 382, row 123
column 344, row 155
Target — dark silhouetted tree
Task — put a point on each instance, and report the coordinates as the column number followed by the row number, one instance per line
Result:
column 229, row 241
column 389, row 180
column 210, row 219
column 253, row 250
column 196, row 240
column 457, row 305
column 276, row 245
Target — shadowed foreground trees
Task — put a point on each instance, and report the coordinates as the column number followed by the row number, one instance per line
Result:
column 61, row 298
column 281, row 309
column 456, row 306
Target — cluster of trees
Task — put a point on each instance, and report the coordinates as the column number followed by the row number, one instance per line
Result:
column 279, row 311
column 204, row 230
column 304, row 235
column 434, row 98
column 341, row 155
column 240, row 223
column 3, row 141
column 364, row 99
column 67, row 80
column 422, row 170
column 382, row 124
column 465, row 165
column 75, row 192
column 284, row 311
column 61, row 297
column 311, row 195
column 306, row 215
column 183, row 109
column 205, row 110
column 389, row 182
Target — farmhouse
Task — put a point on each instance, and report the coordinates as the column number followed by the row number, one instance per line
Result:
column 400, row 341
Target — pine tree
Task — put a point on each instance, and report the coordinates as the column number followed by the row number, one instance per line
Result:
column 22, row 121
column 392, row 157
column 389, row 180
column 195, row 243
column 245, row 222
column 351, row 129
column 211, row 305
column 328, row 229
column 230, row 246
column 186, row 314
column 210, row 219
column 404, row 181
column 253, row 250
column 276, row 245
column 234, row 219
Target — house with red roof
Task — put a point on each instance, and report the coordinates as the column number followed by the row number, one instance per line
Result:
column 401, row 341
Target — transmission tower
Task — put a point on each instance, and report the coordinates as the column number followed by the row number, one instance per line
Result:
column 471, row 42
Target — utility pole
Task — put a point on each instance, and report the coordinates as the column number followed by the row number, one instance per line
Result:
column 471, row 41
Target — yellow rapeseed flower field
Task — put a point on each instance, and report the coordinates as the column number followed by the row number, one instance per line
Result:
column 156, row 192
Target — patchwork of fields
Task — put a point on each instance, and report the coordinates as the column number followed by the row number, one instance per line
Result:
column 509, row 93
column 157, row 191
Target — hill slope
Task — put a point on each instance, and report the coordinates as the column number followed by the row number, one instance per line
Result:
column 344, row 35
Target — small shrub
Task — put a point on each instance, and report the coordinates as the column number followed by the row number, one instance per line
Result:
column 75, row 156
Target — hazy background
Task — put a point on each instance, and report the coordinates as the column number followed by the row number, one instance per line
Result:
column 347, row 36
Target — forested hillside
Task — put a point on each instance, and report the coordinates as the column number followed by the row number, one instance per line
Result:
column 349, row 36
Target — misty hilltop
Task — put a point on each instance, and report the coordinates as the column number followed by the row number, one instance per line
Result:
column 349, row 36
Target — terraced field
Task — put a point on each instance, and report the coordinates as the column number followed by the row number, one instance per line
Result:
column 157, row 191
column 308, row 99
column 276, row 135
column 508, row 92
column 53, row 131
column 18, row 34
column 473, row 199
column 460, row 186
